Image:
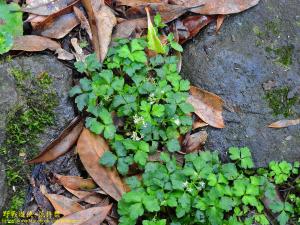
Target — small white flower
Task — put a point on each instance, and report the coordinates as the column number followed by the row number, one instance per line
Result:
column 177, row 122
column 185, row 184
column 135, row 136
column 202, row 184
column 189, row 189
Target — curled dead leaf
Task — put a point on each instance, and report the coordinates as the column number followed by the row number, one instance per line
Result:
column 284, row 123
column 91, row 216
column 83, row 21
column 86, row 196
column 75, row 182
column 64, row 205
column 194, row 141
column 126, row 28
column 62, row 144
column 90, row 148
column 102, row 21
column 220, row 21
column 34, row 43
column 208, row 106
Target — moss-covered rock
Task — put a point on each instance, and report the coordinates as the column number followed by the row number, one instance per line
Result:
column 34, row 108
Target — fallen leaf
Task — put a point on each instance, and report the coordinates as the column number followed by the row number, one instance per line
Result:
column 75, row 182
column 284, row 123
column 34, row 43
column 214, row 7
column 46, row 7
column 194, row 141
column 198, row 123
column 64, row 205
column 190, row 26
column 86, row 196
column 60, row 27
column 63, row 54
column 126, row 28
column 208, row 106
column 79, row 55
column 138, row 2
column 102, row 21
column 220, row 21
column 62, row 144
column 90, row 148
column 91, row 216
column 83, row 21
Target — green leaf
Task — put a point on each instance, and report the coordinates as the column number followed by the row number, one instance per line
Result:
column 136, row 210
column 6, row 42
column 186, row 107
column 234, row 153
column 212, row 179
column 151, row 203
column 122, row 166
column 133, row 182
column 229, row 170
column 139, row 56
column 173, row 145
column 184, row 85
column 176, row 46
column 109, row 131
column 75, row 91
column 11, row 19
column 85, row 84
column 158, row 110
column 247, row 163
column 136, row 46
column 226, row 203
column 81, row 101
column 108, row 159
column 95, row 126
column 118, row 83
column 158, row 21
column 153, row 40
column 283, row 218
column 105, row 116
column 141, row 158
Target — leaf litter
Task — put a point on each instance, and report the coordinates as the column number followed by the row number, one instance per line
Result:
column 106, row 20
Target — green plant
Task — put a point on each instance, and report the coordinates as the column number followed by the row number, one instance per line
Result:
column 202, row 191
column 11, row 25
column 146, row 94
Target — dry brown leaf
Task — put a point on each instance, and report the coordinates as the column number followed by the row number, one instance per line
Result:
column 64, row 205
column 34, row 43
column 284, row 123
column 139, row 2
column 194, row 141
column 79, row 55
column 91, row 216
column 63, row 54
column 90, row 148
column 75, row 182
column 46, row 7
column 220, row 21
column 83, row 21
column 208, row 106
column 62, row 144
column 102, row 21
column 86, row 196
column 198, row 123
column 214, row 7
column 60, row 27
column 125, row 29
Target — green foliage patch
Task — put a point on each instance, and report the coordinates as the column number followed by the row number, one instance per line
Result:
column 146, row 94
column 206, row 191
column 11, row 25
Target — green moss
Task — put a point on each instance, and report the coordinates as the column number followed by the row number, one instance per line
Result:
column 17, row 201
column 284, row 55
column 279, row 102
column 25, row 123
column 273, row 27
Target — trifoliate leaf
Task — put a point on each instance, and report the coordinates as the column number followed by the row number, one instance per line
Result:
column 141, row 158
column 95, row 126
column 108, row 159
column 173, row 145
column 151, row 203
column 75, row 91
column 109, row 131
column 136, row 210
column 158, row 110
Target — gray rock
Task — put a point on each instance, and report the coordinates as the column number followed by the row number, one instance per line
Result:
column 238, row 64
column 3, row 187
column 11, row 95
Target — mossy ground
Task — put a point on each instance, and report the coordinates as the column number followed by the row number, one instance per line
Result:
column 23, row 126
column 268, row 37
column 279, row 102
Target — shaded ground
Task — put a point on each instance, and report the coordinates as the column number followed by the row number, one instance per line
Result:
column 255, row 53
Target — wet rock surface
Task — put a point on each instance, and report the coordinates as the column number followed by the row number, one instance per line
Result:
column 255, row 52
column 11, row 96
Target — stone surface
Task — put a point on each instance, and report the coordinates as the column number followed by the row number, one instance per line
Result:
column 3, row 187
column 237, row 64
column 10, row 96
